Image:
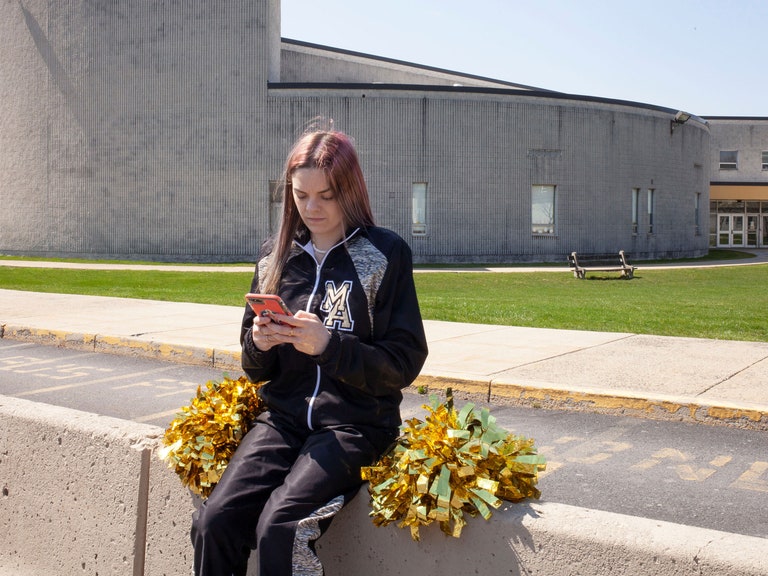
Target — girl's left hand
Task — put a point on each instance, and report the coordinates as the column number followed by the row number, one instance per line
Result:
column 305, row 331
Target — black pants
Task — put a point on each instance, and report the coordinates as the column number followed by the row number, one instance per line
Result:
column 278, row 494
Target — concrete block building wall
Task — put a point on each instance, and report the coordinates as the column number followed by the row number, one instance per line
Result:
column 134, row 129
column 152, row 131
column 746, row 136
column 480, row 154
column 306, row 62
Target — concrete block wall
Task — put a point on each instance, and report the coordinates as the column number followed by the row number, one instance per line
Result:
column 74, row 491
column 133, row 128
column 151, row 131
column 480, row 154
column 86, row 494
column 748, row 136
column 305, row 62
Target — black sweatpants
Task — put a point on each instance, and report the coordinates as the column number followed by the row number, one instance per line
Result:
column 279, row 493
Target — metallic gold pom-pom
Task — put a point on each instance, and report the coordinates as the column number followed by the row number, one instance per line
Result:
column 202, row 438
column 451, row 464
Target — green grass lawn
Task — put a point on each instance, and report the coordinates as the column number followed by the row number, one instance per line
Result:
column 728, row 303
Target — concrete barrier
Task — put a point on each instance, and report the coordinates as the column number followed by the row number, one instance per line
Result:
column 86, row 494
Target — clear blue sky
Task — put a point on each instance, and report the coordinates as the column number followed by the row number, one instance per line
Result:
column 707, row 57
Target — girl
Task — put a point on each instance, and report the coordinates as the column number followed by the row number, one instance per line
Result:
column 335, row 369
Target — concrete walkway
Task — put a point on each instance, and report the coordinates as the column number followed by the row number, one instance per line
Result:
column 716, row 381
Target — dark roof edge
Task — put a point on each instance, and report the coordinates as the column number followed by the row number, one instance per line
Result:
column 735, row 117
column 409, row 64
column 469, row 90
column 738, row 183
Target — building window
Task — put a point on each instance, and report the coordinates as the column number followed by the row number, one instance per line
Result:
column 651, row 208
column 729, row 160
column 419, row 224
column 543, row 209
column 635, row 209
column 765, row 159
column 697, row 213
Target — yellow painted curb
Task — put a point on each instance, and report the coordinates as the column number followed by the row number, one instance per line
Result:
column 682, row 408
column 49, row 337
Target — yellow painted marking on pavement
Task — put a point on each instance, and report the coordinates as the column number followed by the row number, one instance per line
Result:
column 186, row 392
column 15, row 362
column 645, row 464
column 720, row 461
column 50, row 368
column 756, row 478
column 688, row 472
column 582, row 451
column 18, row 363
column 90, row 382
column 144, row 384
column 551, row 467
column 171, row 386
column 547, row 452
column 664, row 453
column 7, row 346
column 684, row 470
column 612, row 448
column 566, row 439
column 156, row 415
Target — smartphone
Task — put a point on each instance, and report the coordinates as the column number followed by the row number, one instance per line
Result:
column 267, row 305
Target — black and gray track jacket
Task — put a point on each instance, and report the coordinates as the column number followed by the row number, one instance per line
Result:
column 363, row 290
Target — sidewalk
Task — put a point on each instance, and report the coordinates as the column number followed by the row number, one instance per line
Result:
column 713, row 381
column 680, row 378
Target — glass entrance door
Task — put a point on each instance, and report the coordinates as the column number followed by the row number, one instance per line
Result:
column 752, row 231
column 730, row 230
column 763, row 234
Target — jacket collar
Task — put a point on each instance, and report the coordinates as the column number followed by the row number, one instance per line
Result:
column 302, row 236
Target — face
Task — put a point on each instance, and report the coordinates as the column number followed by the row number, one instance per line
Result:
column 317, row 205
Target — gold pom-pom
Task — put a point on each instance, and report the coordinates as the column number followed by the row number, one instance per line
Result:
column 200, row 441
column 451, row 464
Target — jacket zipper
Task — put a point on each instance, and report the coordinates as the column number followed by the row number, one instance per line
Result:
column 318, row 270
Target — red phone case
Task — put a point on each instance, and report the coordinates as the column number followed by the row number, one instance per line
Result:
column 267, row 304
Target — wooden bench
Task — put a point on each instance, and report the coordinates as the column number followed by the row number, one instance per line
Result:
column 613, row 262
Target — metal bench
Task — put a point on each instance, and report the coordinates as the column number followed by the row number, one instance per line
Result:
column 613, row 262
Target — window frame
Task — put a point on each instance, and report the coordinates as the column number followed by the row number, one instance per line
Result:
column 548, row 228
column 635, row 210
column 697, row 214
column 419, row 195
column 651, row 208
column 727, row 163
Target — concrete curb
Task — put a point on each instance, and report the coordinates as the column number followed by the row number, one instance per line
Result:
column 87, row 493
column 496, row 391
column 660, row 407
column 542, row 538
column 126, row 346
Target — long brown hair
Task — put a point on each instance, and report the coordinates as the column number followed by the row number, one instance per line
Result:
column 334, row 153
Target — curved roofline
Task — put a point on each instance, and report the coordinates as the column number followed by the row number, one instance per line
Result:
column 409, row 64
column 470, row 90
column 748, row 118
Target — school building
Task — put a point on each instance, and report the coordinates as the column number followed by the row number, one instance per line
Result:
column 739, row 186
column 158, row 130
